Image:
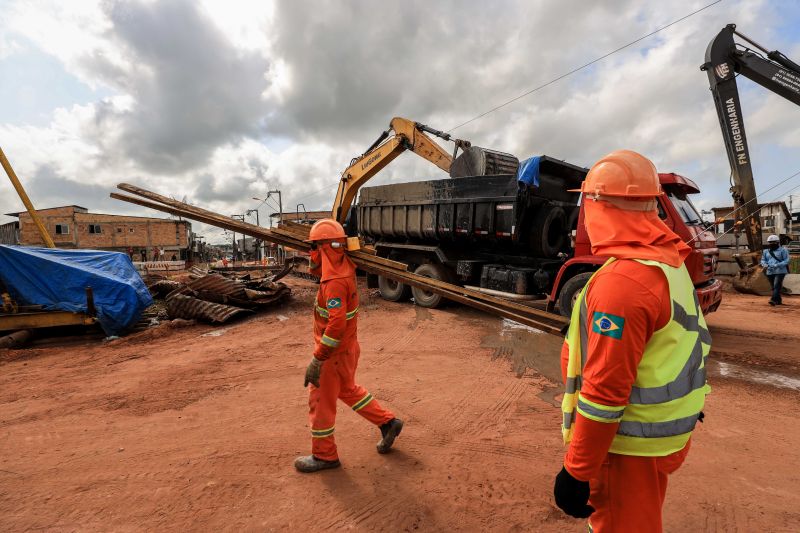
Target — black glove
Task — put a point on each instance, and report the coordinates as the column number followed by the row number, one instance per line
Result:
column 312, row 372
column 572, row 495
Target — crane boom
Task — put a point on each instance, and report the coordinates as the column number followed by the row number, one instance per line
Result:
column 723, row 61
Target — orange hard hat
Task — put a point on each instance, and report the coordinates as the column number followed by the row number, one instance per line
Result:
column 622, row 173
column 325, row 229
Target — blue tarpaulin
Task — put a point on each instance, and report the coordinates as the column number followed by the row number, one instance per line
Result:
column 528, row 172
column 57, row 279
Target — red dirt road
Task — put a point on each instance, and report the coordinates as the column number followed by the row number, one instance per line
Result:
column 197, row 428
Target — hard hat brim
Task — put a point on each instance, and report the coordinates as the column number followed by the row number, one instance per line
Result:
column 618, row 195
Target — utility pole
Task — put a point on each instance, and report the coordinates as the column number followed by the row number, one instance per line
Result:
column 48, row 241
column 258, row 241
column 280, row 204
column 239, row 217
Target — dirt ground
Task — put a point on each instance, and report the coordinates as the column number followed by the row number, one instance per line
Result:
column 196, row 428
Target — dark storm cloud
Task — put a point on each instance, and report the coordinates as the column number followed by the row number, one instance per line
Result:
column 50, row 188
column 354, row 65
column 231, row 189
column 192, row 89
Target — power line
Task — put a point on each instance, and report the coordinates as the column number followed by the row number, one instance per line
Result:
column 752, row 199
column 573, row 71
column 554, row 80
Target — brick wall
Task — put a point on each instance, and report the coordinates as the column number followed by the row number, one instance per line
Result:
column 29, row 234
column 116, row 232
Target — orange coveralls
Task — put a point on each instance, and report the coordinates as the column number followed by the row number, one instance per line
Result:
column 336, row 343
column 627, row 491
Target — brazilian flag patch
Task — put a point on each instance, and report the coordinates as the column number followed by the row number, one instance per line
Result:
column 608, row 324
column 333, row 303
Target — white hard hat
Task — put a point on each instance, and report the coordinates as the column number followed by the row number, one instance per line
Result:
column 773, row 238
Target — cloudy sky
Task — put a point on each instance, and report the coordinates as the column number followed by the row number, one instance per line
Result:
column 220, row 101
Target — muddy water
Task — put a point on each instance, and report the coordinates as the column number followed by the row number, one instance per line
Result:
column 722, row 369
column 528, row 348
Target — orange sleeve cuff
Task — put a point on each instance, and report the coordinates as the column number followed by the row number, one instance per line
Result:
column 588, row 448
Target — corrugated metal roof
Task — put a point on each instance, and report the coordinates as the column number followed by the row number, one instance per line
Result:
column 182, row 306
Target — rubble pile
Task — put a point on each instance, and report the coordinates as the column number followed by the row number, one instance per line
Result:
column 215, row 297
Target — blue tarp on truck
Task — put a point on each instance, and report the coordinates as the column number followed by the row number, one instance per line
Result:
column 57, row 280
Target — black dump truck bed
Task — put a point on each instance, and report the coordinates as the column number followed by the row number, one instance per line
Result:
column 493, row 212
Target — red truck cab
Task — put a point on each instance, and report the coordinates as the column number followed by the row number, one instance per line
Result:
column 678, row 213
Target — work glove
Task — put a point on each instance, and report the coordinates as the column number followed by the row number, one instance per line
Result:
column 312, row 372
column 572, row 495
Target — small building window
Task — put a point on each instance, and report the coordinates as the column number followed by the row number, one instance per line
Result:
column 62, row 229
column 768, row 222
column 130, row 230
column 94, row 228
column 119, row 230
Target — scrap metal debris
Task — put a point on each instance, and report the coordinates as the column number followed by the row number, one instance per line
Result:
column 217, row 298
column 188, row 307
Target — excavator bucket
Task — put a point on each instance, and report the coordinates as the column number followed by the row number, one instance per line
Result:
column 751, row 279
column 477, row 161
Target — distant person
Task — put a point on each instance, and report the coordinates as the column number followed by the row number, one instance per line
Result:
column 634, row 357
column 332, row 370
column 174, row 257
column 775, row 260
column 143, row 253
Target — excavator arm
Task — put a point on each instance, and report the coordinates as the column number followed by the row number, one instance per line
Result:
column 402, row 135
column 725, row 59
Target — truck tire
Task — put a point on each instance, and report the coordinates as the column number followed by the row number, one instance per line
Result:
column 572, row 220
column 549, row 232
column 393, row 291
column 569, row 293
column 422, row 297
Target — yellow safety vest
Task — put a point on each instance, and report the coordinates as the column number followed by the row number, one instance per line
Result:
column 670, row 387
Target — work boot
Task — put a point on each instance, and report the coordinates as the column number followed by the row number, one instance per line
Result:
column 390, row 431
column 310, row 463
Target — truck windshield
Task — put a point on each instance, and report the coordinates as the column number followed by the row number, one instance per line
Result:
column 687, row 211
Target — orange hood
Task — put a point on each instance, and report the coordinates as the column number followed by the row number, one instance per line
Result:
column 333, row 263
column 624, row 234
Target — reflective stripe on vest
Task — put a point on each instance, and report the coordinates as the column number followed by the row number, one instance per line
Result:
column 321, row 311
column 670, row 387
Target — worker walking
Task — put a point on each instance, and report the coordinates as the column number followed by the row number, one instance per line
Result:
column 775, row 260
column 634, row 359
column 332, row 370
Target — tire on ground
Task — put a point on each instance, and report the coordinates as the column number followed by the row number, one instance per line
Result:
column 569, row 292
column 424, row 298
column 392, row 290
column 549, row 232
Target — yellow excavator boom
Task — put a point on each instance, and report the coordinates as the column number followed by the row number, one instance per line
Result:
column 408, row 135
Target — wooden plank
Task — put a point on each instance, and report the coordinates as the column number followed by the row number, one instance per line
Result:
column 221, row 222
column 550, row 325
column 387, row 263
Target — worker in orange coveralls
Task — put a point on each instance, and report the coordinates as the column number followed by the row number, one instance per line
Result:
column 332, row 370
column 634, row 358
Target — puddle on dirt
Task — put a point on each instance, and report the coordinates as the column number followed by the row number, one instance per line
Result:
column 422, row 314
column 215, row 333
column 762, row 377
column 526, row 347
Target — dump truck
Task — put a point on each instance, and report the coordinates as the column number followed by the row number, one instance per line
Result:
column 509, row 238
